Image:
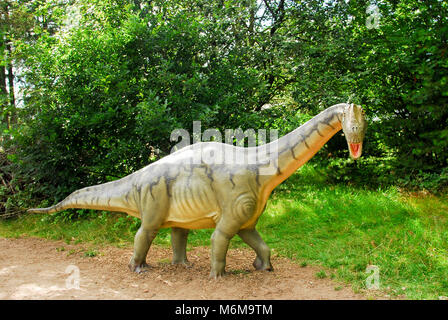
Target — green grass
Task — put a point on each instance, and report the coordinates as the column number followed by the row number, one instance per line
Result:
column 90, row 253
column 321, row 274
column 338, row 227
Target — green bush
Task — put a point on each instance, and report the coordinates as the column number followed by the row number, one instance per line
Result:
column 101, row 98
column 109, row 95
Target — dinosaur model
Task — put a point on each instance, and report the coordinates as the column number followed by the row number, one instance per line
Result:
column 183, row 194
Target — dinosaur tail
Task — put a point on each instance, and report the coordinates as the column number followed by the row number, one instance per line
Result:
column 111, row 196
column 55, row 208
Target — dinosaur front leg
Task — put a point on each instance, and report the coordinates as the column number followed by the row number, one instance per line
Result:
column 241, row 210
column 254, row 240
column 179, row 243
column 220, row 244
column 142, row 242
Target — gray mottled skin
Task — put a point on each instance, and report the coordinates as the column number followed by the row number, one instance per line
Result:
column 215, row 185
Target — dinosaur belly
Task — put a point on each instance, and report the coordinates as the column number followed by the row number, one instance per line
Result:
column 193, row 205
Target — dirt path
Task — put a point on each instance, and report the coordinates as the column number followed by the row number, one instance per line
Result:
column 36, row 269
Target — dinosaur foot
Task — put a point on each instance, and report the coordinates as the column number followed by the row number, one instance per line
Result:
column 184, row 263
column 260, row 265
column 216, row 274
column 139, row 268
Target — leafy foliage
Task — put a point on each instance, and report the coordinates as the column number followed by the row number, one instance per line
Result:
column 105, row 83
column 398, row 72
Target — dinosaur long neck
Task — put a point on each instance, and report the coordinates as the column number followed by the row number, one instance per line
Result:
column 296, row 148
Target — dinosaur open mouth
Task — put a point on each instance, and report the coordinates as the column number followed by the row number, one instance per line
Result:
column 355, row 150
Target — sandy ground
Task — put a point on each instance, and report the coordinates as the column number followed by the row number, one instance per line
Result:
column 33, row 268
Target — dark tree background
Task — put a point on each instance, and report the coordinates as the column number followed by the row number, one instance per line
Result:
column 102, row 84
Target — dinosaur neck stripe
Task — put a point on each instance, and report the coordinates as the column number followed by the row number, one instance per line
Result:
column 317, row 129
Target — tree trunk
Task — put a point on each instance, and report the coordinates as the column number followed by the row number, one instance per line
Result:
column 9, row 112
column 12, row 99
column 3, row 96
column 3, row 91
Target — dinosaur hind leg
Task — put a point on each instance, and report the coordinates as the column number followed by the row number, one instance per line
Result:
column 152, row 218
column 254, row 240
column 179, row 243
column 142, row 242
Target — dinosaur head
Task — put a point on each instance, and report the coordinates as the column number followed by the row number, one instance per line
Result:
column 354, row 126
